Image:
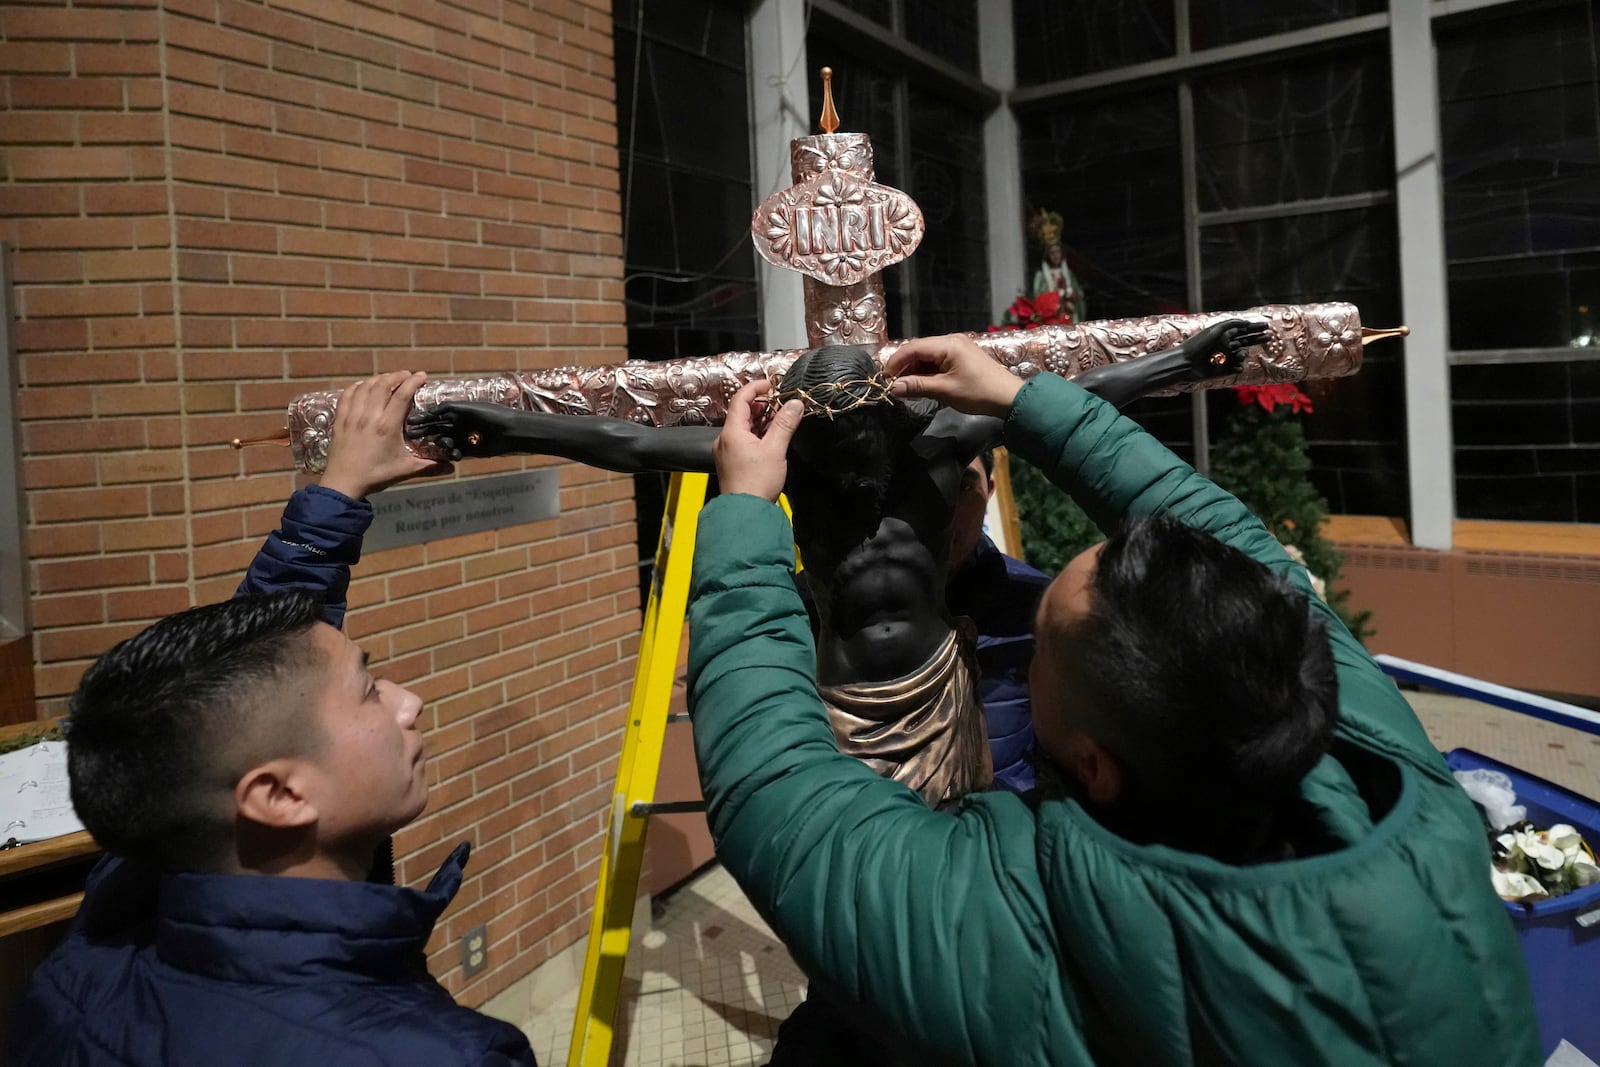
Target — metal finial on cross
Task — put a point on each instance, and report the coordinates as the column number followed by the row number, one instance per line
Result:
column 830, row 118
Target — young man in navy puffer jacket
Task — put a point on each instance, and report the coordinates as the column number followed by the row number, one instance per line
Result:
column 243, row 769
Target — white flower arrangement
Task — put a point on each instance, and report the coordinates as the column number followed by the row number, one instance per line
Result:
column 1532, row 865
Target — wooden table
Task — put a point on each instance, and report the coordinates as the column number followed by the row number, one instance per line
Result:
column 31, row 900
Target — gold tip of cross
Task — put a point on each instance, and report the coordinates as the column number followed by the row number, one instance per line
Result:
column 830, row 118
column 279, row 438
column 1369, row 334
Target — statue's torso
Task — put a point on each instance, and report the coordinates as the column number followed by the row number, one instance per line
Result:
column 882, row 605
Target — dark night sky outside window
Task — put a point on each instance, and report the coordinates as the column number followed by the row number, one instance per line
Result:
column 1275, row 134
column 687, row 186
column 1111, row 167
column 1066, row 38
column 1357, row 433
column 942, row 141
column 688, row 215
column 1527, row 441
column 1220, row 22
column 1289, row 133
column 947, row 181
column 1520, row 135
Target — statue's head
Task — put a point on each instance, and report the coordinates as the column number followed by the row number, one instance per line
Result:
column 1054, row 254
column 843, row 457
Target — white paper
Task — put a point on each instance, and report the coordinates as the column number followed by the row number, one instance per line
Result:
column 1566, row 1055
column 35, row 797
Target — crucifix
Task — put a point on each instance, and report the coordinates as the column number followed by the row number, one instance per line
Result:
column 872, row 484
column 840, row 229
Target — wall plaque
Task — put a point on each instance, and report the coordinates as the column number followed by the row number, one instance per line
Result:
column 432, row 511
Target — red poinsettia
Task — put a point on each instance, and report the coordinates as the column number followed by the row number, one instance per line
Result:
column 1270, row 396
column 1042, row 310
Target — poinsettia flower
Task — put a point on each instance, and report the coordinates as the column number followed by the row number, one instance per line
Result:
column 1270, row 396
column 1047, row 305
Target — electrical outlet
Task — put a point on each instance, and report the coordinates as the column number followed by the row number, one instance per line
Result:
column 474, row 950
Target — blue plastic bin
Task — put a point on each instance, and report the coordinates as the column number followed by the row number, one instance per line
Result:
column 1560, row 937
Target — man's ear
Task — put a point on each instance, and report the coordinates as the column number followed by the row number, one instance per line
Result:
column 1095, row 768
column 273, row 795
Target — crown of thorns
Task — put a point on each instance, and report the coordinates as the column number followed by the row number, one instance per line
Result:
column 835, row 398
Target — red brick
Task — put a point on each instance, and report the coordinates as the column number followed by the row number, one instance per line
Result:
column 73, row 610
column 213, row 40
column 231, row 300
column 103, row 572
column 229, row 236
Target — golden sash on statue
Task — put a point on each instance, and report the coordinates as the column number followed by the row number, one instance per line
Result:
column 926, row 730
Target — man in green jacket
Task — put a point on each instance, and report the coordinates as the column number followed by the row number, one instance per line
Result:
column 1240, row 862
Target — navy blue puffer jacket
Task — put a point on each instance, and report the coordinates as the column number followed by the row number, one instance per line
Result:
column 201, row 970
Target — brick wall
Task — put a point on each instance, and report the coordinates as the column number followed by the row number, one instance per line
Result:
column 217, row 204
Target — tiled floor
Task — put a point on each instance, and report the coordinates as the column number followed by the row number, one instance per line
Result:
column 708, row 984
column 1567, row 757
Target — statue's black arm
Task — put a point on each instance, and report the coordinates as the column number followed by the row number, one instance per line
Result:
column 612, row 444
column 1193, row 360
column 619, row 445
column 1121, row 383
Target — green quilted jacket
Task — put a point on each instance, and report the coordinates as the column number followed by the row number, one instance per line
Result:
column 1000, row 935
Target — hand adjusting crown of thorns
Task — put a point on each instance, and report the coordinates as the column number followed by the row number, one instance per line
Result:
column 836, row 398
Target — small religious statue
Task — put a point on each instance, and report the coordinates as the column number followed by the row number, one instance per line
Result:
column 1053, row 275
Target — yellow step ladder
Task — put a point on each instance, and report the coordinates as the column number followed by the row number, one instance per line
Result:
column 634, row 799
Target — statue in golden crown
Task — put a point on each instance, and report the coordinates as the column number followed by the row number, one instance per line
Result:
column 1053, row 275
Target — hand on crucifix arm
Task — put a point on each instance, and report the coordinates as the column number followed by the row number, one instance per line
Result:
column 956, row 372
column 369, row 451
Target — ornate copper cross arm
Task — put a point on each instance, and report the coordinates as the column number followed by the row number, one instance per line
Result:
column 840, row 229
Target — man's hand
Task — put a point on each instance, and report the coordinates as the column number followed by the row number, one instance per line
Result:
column 956, row 373
column 476, row 430
column 753, row 463
column 368, row 449
column 1218, row 349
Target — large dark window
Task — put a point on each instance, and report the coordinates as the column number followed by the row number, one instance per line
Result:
column 1316, row 127
column 1112, row 168
column 1357, row 430
column 1520, row 135
column 1527, row 441
column 1287, row 137
column 684, row 132
column 686, row 183
column 952, row 264
column 1059, row 39
column 1293, row 188
column 928, row 143
column 1218, row 22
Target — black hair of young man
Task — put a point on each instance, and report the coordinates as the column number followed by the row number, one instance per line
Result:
column 845, row 464
column 165, row 723
column 1211, row 681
